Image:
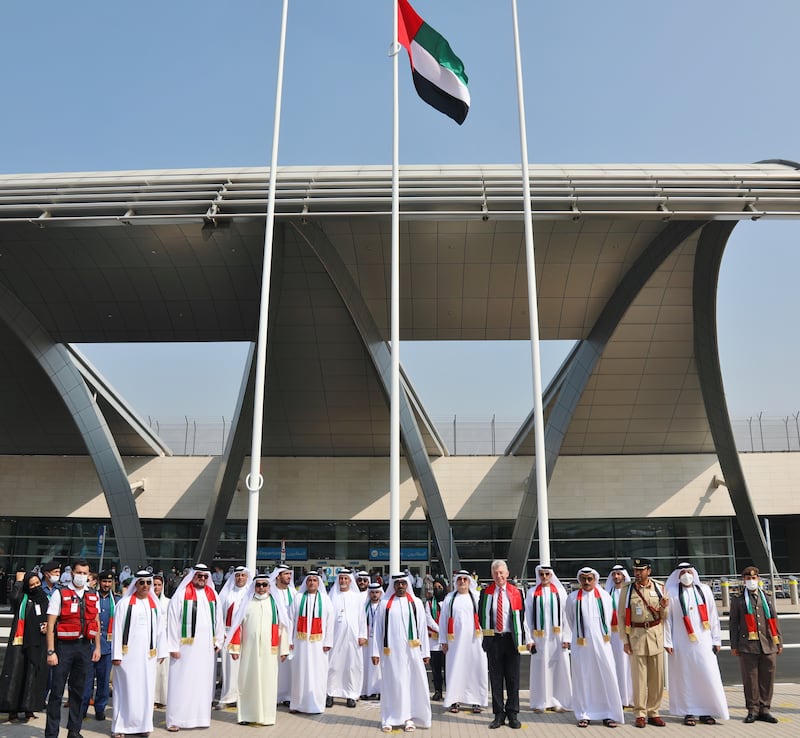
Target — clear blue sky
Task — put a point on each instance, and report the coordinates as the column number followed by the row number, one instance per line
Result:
column 98, row 85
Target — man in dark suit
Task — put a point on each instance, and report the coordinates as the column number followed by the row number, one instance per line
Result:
column 756, row 640
column 505, row 635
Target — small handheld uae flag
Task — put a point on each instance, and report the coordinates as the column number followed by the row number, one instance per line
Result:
column 438, row 73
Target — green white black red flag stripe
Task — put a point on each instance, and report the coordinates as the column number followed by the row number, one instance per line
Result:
column 438, row 73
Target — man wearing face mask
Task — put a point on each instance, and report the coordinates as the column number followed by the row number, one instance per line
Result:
column 756, row 641
column 642, row 609
column 433, row 610
column 51, row 576
column 692, row 638
column 101, row 670
column 73, row 642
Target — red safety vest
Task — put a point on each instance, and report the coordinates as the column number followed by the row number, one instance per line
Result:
column 76, row 621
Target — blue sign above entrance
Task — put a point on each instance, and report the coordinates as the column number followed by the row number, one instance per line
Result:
column 273, row 553
column 411, row 553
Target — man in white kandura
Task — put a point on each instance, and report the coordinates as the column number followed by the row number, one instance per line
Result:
column 461, row 640
column 615, row 581
column 134, row 652
column 371, row 687
column 595, row 694
column 230, row 596
column 401, row 648
column 551, row 681
column 259, row 641
column 346, row 660
column 283, row 591
column 312, row 621
column 162, row 668
column 692, row 638
column 195, row 633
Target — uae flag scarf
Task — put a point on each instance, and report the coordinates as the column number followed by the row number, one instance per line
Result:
column 750, row 617
column 438, row 73
column 451, row 631
column 189, row 616
column 538, row 609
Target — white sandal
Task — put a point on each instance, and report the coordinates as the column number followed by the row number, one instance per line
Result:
column 409, row 727
column 386, row 728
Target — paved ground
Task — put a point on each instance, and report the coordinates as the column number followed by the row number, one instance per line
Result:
column 364, row 722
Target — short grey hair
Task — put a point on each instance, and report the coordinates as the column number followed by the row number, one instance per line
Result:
column 497, row 563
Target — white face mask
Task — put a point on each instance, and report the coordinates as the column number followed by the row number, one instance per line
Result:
column 79, row 580
column 54, row 578
column 687, row 578
column 751, row 584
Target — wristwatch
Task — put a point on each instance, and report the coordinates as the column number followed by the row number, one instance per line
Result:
column 50, row 652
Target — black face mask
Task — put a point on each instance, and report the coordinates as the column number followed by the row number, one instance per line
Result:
column 438, row 594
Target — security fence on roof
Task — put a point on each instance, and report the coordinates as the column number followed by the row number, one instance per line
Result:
column 466, row 436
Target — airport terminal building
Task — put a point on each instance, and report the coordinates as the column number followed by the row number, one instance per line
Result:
column 640, row 453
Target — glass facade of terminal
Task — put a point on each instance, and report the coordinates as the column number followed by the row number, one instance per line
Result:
column 714, row 545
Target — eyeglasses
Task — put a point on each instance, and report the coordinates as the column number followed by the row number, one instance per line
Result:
column 145, row 582
column 262, row 584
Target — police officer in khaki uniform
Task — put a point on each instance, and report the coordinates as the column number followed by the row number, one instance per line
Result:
column 642, row 608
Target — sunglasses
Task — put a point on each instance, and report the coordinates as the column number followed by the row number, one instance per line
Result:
column 145, row 582
column 202, row 576
column 262, row 584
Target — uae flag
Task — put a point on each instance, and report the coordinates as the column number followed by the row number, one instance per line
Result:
column 438, row 73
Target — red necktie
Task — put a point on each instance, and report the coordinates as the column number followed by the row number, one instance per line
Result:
column 499, row 620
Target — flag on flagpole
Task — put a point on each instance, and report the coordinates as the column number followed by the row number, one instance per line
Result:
column 438, row 73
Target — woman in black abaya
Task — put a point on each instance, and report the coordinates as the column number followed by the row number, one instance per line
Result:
column 24, row 677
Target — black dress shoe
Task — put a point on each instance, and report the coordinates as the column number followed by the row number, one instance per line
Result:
column 74, row 734
column 767, row 717
column 513, row 722
column 350, row 702
column 329, row 701
column 498, row 722
column 437, row 696
column 751, row 717
column 100, row 716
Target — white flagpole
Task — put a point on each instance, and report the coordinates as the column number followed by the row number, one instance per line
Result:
column 533, row 315
column 394, row 441
column 254, row 479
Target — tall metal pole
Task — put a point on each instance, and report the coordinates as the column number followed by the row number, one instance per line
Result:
column 394, row 440
column 533, row 314
column 254, row 479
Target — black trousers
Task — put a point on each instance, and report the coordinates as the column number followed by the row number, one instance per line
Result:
column 503, row 672
column 437, row 670
column 73, row 665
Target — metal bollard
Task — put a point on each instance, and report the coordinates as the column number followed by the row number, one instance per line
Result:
column 725, row 588
column 793, row 590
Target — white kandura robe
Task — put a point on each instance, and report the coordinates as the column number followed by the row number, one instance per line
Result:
column 191, row 677
column 622, row 661
column 372, row 673
column 550, row 677
column 404, row 690
column 230, row 668
column 310, row 662
column 134, row 679
column 346, row 658
column 595, row 694
column 466, row 662
column 162, row 667
column 285, row 598
column 694, row 681
column 258, row 666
